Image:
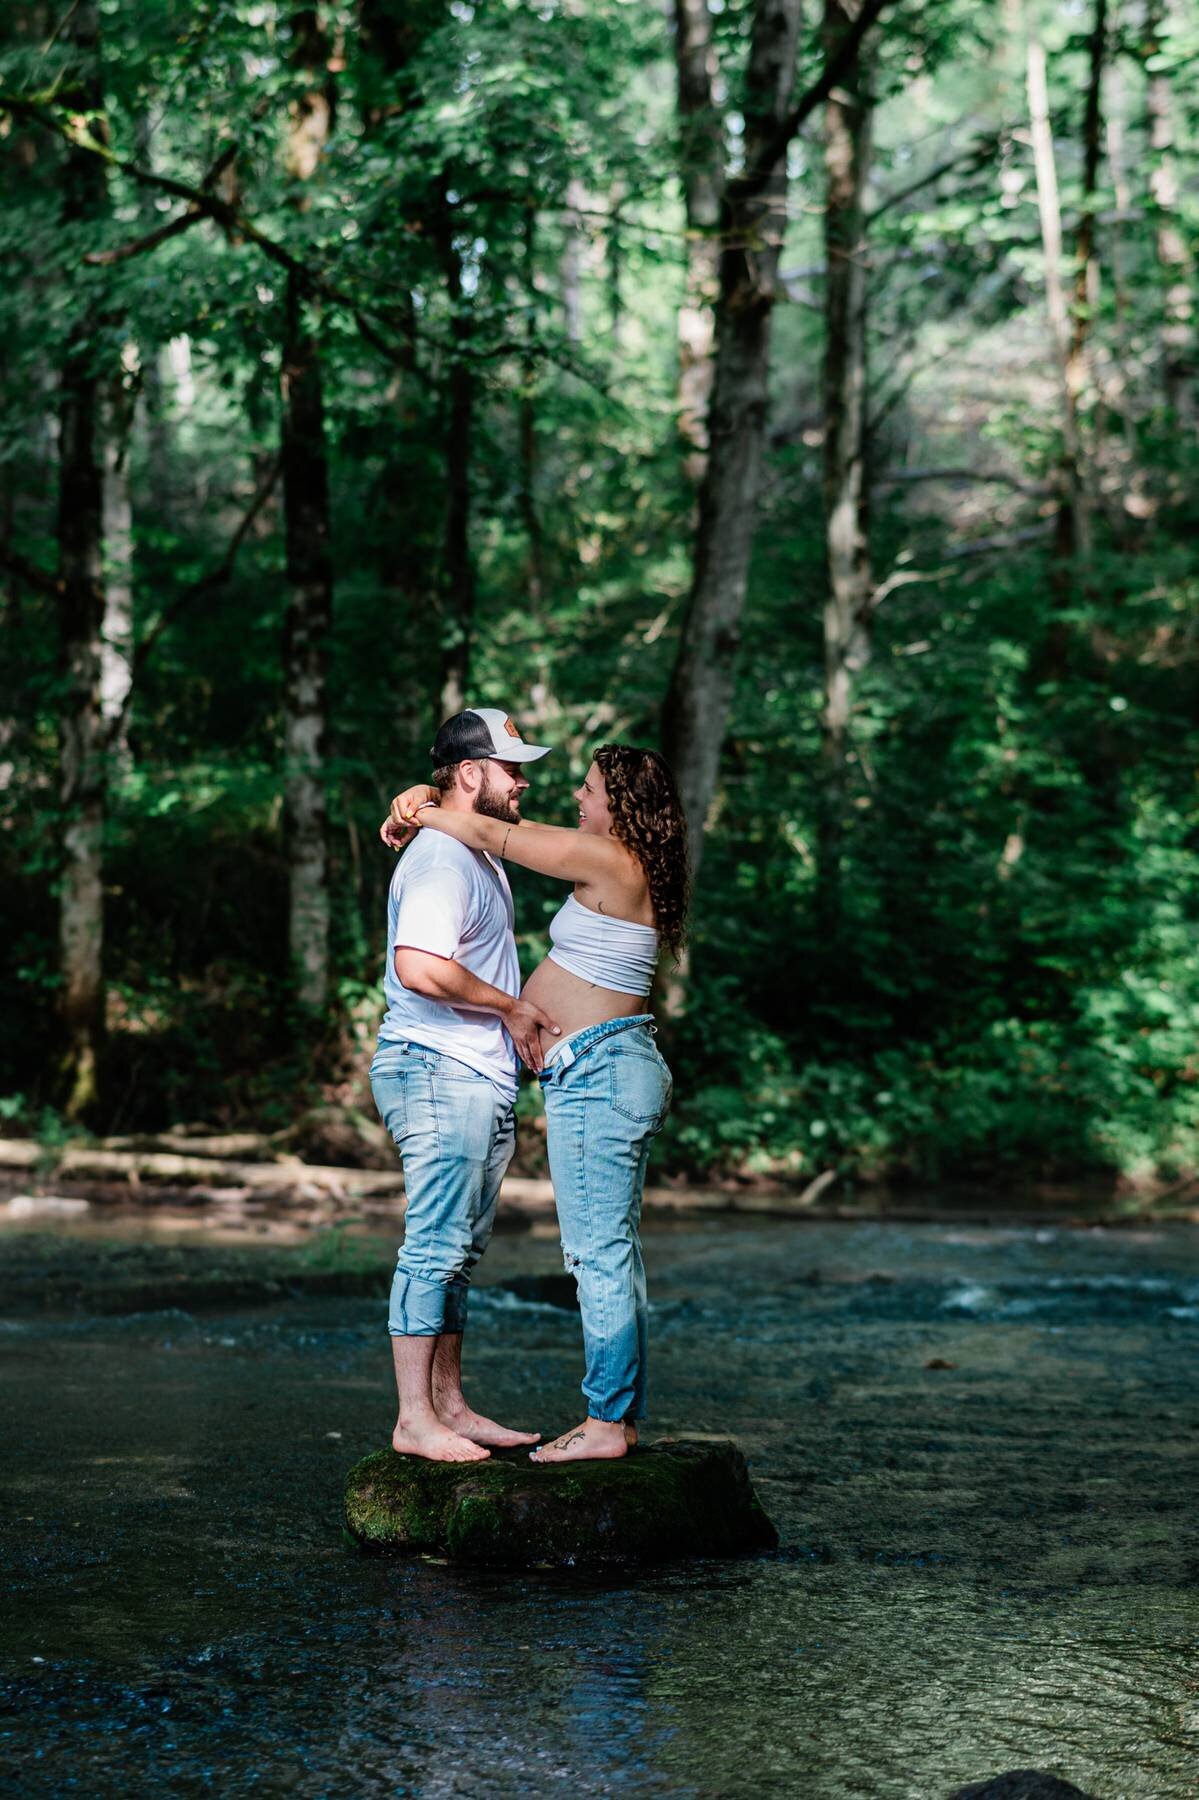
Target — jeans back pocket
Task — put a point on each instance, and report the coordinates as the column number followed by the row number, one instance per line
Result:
column 640, row 1083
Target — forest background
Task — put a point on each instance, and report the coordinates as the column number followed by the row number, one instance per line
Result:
column 806, row 389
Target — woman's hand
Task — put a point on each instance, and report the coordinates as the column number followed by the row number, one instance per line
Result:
column 400, row 825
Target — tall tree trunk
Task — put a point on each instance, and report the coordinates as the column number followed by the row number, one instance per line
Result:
column 1086, row 277
column 848, row 119
column 154, row 372
column 1116, row 397
column 530, row 517
column 305, row 654
column 1122, row 194
column 1074, row 522
column 572, row 262
column 539, row 703
column 119, row 404
column 702, row 165
column 614, row 269
column 1175, row 260
column 391, row 35
column 309, row 566
column 753, row 219
column 457, row 567
column 81, row 620
column 391, row 32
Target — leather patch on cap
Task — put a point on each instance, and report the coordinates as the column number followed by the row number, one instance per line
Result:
column 510, row 728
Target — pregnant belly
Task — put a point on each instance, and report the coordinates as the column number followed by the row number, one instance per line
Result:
column 573, row 1003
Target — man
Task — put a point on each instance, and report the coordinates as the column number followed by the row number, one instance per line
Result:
column 444, row 1079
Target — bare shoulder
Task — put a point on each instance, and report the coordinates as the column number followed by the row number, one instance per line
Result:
column 617, row 888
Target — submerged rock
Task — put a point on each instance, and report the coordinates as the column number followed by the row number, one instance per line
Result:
column 663, row 1501
column 1021, row 1784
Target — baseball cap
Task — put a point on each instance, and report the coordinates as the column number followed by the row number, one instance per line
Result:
column 481, row 733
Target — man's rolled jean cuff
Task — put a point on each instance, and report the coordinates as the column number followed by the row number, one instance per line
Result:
column 419, row 1308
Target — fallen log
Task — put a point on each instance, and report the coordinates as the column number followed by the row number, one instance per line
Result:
column 239, row 1146
column 285, row 1176
column 325, row 1135
column 288, row 1178
column 177, row 1170
column 86, row 1162
column 19, row 1153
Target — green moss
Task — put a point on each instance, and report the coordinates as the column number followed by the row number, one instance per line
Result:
column 665, row 1501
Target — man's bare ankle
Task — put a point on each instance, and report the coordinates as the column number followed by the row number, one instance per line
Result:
column 417, row 1421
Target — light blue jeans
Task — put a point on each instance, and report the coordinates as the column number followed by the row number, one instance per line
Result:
column 606, row 1097
column 456, row 1134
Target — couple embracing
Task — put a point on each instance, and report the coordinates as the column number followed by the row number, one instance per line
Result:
column 445, row 1073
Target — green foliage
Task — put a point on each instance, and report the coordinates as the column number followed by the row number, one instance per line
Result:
column 1007, row 982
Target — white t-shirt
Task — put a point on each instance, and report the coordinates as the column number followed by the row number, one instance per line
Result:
column 452, row 902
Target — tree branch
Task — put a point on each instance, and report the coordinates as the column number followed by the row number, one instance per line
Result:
column 896, row 579
column 103, row 259
column 974, row 158
column 753, row 180
column 204, row 202
column 1009, row 540
column 207, row 584
column 897, row 476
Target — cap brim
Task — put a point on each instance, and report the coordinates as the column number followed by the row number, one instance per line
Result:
column 519, row 752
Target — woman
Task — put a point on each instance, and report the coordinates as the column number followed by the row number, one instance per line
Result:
column 606, row 1087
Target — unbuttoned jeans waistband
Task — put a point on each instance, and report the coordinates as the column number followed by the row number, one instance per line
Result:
column 580, row 1042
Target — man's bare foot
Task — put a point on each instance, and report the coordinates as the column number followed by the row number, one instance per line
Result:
column 630, row 1433
column 593, row 1440
column 436, row 1443
column 467, row 1423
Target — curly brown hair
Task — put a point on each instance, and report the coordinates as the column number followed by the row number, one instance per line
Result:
column 648, row 819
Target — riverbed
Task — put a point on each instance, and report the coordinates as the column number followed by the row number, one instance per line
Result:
column 978, row 1443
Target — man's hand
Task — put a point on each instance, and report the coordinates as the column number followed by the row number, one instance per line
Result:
column 441, row 978
column 524, row 1021
column 401, row 824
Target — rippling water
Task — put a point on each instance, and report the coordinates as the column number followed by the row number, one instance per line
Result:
column 984, row 1566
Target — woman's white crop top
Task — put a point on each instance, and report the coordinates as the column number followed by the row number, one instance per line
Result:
column 613, row 953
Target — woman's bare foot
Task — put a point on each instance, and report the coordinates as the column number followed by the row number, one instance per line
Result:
column 436, row 1443
column 467, row 1423
column 593, row 1440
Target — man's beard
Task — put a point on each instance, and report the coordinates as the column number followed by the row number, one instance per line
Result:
column 496, row 806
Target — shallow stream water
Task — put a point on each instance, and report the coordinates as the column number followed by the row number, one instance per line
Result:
column 984, row 1566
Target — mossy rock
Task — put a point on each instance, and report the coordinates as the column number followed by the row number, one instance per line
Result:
column 665, row 1500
